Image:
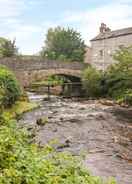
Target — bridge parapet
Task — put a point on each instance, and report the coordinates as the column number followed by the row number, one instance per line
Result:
column 28, row 70
column 37, row 63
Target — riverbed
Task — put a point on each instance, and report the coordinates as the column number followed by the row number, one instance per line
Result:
column 102, row 132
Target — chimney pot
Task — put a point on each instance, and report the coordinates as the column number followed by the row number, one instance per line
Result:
column 104, row 28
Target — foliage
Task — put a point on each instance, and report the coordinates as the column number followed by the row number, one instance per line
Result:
column 9, row 88
column 25, row 163
column 124, row 96
column 92, row 79
column 119, row 75
column 7, row 48
column 53, row 80
column 19, row 108
column 116, row 82
column 22, row 162
column 63, row 44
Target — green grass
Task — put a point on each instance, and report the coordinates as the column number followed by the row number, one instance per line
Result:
column 18, row 109
column 24, row 163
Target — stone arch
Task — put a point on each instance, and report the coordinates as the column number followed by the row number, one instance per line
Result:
column 38, row 75
column 72, row 85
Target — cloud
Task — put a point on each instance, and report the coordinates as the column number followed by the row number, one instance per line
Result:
column 115, row 14
column 37, row 3
column 30, row 35
column 12, row 25
column 27, row 38
column 11, row 8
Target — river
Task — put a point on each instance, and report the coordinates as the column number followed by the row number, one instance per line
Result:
column 103, row 132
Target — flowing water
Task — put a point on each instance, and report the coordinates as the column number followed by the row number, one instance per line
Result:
column 102, row 132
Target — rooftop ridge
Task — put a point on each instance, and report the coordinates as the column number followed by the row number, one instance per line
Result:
column 113, row 34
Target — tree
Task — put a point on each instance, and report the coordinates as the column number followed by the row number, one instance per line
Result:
column 7, row 47
column 92, row 82
column 119, row 75
column 63, row 44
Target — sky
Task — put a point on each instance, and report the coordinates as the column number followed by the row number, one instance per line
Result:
column 27, row 21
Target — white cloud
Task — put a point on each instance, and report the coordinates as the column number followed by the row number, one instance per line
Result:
column 27, row 38
column 37, row 3
column 11, row 8
column 115, row 14
column 12, row 26
column 30, row 36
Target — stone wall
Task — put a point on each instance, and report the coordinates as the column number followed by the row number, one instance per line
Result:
column 30, row 70
column 88, row 56
column 102, row 50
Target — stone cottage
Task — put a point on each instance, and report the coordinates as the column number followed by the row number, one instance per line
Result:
column 104, row 45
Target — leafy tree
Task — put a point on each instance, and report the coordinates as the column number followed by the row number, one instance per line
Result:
column 92, row 82
column 7, row 48
column 119, row 75
column 63, row 44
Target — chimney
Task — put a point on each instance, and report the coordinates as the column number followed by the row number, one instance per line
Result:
column 104, row 28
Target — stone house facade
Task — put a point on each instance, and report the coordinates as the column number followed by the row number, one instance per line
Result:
column 88, row 55
column 105, row 44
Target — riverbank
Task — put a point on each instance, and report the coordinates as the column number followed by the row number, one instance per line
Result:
column 22, row 160
column 18, row 109
column 99, row 131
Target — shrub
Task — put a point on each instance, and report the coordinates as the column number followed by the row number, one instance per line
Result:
column 25, row 163
column 92, row 82
column 124, row 96
column 119, row 75
column 9, row 87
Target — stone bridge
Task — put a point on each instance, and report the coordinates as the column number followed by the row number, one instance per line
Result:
column 29, row 70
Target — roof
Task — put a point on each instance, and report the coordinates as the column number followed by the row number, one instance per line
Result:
column 113, row 34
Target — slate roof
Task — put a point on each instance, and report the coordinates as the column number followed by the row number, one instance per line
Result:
column 113, row 34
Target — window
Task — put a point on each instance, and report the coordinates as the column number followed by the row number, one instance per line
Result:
column 101, row 53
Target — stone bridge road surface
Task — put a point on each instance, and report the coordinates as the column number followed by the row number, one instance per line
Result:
column 103, row 132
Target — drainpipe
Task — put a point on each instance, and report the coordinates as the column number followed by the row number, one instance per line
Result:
column 103, row 55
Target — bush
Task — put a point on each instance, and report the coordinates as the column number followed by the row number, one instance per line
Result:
column 116, row 82
column 9, row 87
column 25, row 163
column 92, row 82
column 119, row 75
column 123, row 96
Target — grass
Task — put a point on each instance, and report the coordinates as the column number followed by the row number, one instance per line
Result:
column 19, row 108
column 23, row 162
